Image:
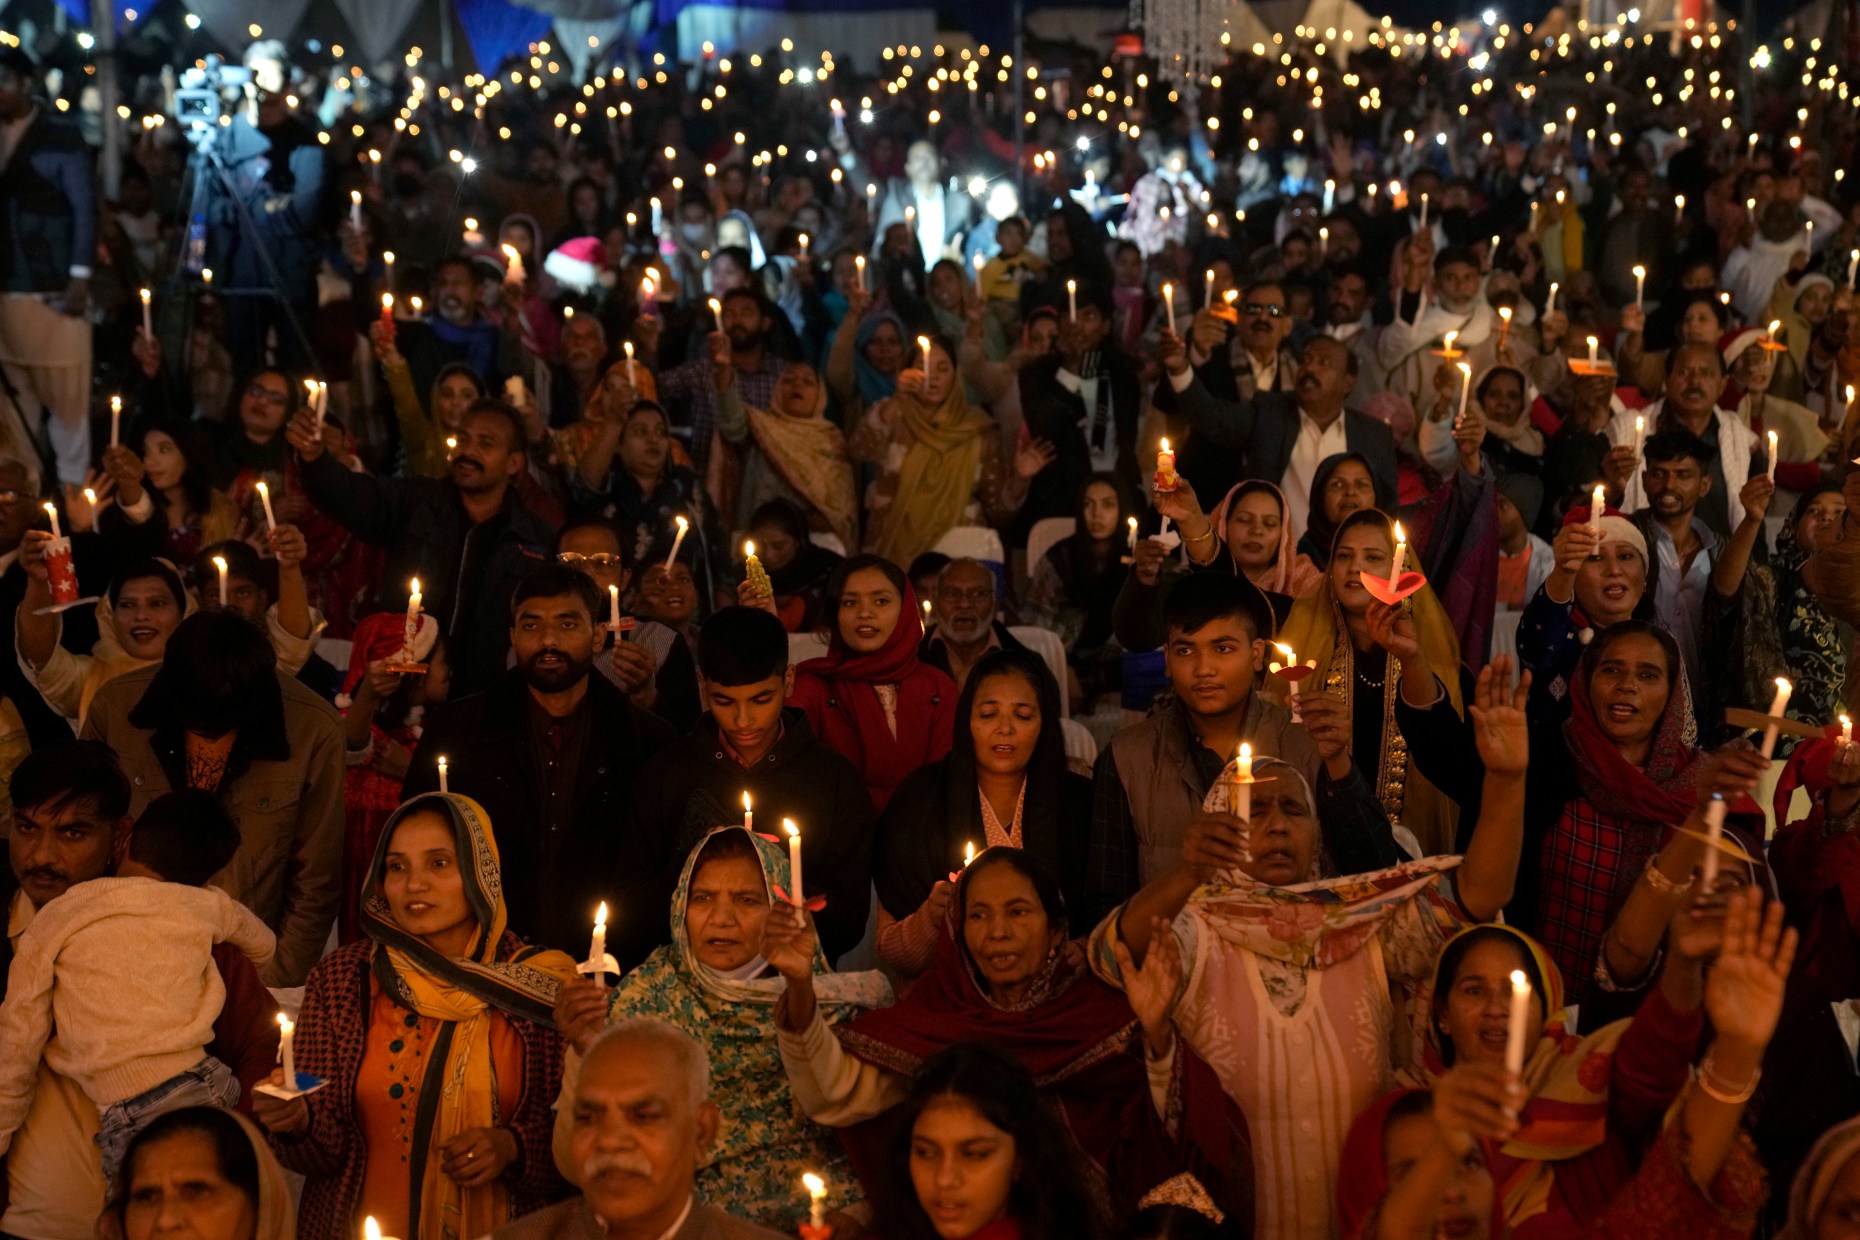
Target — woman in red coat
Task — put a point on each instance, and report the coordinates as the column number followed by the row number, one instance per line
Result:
column 870, row 698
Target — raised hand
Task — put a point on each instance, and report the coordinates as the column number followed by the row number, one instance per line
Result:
column 1500, row 728
column 1214, row 842
column 581, row 1012
column 304, row 435
column 1476, row 1102
column 1033, row 455
column 1152, row 988
column 789, row 941
column 1731, row 770
column 1744, row 990
column 1392, row 628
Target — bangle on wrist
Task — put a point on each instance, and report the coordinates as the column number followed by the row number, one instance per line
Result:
column 1705, row 1075
column 1664, row 885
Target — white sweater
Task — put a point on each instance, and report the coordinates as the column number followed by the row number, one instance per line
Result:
column 114, row 985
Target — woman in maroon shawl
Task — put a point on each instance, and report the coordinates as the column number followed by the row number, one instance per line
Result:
column 870, row 698
column 1140, row 1106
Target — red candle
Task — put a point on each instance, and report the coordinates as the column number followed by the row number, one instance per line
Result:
column 387, row 316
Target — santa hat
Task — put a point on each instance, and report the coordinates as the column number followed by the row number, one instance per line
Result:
column 579, row 264
column 1732, row 344
column 1615, row 528
column 380, row 636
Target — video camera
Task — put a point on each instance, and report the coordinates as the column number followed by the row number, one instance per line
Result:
column 200, row 99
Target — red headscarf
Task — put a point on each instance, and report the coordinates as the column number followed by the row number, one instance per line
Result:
column 1363, row 1172
column 1665, row 790
column 888, row 665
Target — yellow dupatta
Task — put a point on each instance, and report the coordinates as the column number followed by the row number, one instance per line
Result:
column 944, row 447
column 810, row 455
column 1315, row 629
column 463, row 994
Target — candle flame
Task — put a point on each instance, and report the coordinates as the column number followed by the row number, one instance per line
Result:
column 146, row 296
column 1133, row 524
column 387, row 301
column 1504, row 312
column 1451, row 337
column 285, row 1023
column 219, row 562
column 510, row 252
column 787, row 824
column 262, row 488
column 1640, row 423
column 1640, row 272
column 749, row 547
column 682, row 524
column 1165, row 445
column 747, row 805
column 415, row 587
column 1401, row 535
column 1783, row 685
column 116, row 404
column 1072, row 286
column 1465, row 369
column 1290, row 657
column 923, row 346
column 1520, row 982
column 600, row 916
column 1231, row 296
column 1775, row 326
column 628, row 346
column 371, row 1230
column 968, row 854
column 355, row 196
column 1246, row 752
column 816, row 1187
column 90, row 497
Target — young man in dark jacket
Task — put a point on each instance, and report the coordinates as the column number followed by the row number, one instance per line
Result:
column 750, row 742
column 468, row 537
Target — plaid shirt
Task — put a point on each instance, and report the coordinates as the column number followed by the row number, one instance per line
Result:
column 690, row 398
column 1590, row 862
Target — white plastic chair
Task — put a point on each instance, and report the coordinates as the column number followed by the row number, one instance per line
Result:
column 1046, row 532
column 335, row 651
column 829, row 540
column 805, row 646
column 972, row 542
column 1046, row 644
column 1081, row 748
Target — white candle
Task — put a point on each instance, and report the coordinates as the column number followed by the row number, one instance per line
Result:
column 613, row 610
column 804, row 247
column 1465, row 392
column 1133, row 535
column 1640, row 433
column 1550, row 303
column 513, row 272
column 413, row 615
column 1401, row 554
column 443, row 767
column 148, row 324
column 1244, row 770
column 1323, row 242
column 1519, row 1022
column 287, row 1055
column 1072, row 300
column 264, row 497
column 817, row 1200
column 90, row 506
column 678, row 540
column 1853, row 266
column 794, row 859
column 1778, row 704
column 1597, row 502
column 219, row 562
column 1423, row 212
column 597, row 945
column 1771, row 463
column 116, row 420
column 51, row 510
column 1679, row 208
column 1447, row 342
column 1640, row 286
column 859, row 265
column 968, row 854
column 632, row 375
column 1714, row 832
column 749, row 813
column 923, row 351
column 1595, row 357
column 979, row 262
column 355, row 210
column 387, row 261
column 1847, row 730
column 1207, row 297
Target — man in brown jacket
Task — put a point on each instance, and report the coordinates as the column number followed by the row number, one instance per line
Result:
column 216, row 714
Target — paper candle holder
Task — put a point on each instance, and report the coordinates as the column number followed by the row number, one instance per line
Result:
column 1772, row 346
column 306, row 1084
column 1724, row 844
column 63, row 579
column 1383, row 590
column 1583, row 366
column 608, row 965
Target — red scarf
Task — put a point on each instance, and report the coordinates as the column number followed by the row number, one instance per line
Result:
column 1665, row 790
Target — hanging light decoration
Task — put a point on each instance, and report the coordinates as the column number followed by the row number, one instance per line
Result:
column 1184, row 35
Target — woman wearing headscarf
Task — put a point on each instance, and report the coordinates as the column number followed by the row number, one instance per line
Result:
column 1141, row 1107
column 1398, row 672
column 1823, row 1196
column 1343, row 484
column 437, row 1038
column 143, row 606
column 791, row 452
column 625, row 384
column 1801, row 301
column 714, row 982
column 1598, row 577
column 1256, row 535
column 1074, row 588
column 183, row 1152
column 941, row 461
column 1751, row 395
column 870, row 697
column 424, row 428
column 863, row 364
column 798, row 567
column 1004, row 782
column 1295, row 978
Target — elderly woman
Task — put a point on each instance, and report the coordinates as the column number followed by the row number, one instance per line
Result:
column 203, row 1172
column 1139, row 1106
column 714, row 982
column 1289, row 970
column 437, row 1039
column 791, row 452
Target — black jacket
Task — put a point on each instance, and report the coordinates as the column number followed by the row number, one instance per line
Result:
column 1055, row 413
column 48, row 207
column 934, row 648
column 553, row 880
column 695, row 784
column 428, row 534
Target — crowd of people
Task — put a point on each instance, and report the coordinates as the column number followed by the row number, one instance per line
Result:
column 1137, row 663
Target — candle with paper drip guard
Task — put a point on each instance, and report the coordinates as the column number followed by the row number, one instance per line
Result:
column 264, row 498
column 1401, row 555
column 1291, row 672
column 794, row 860
column 219, row 562
column 1778, row 704
column 1518, row 1024
column 287, row 1057
column 678, row 540
column 1446, row 348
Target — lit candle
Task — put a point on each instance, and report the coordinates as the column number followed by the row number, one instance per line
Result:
column 264, row 497
column 754, row 573
column 817, row 1200
column 1423, row 213
column 1640, row 433
column 1168, row 298
column 287, row 1055
column 648, row 295
column 979, row 263
column 513, row 270
column 1853, row 266
column 219, row 562
column 1243, row 784
column 632, row 373
column 206, row 276
column 371, row 1230
column 1770, row 465
column 613, row 610
column 678, row 540
column 413, row 615
column 116, row 420
column 1207, row 297
column 1679, row 208
column 1714, row 832
column 1401, row 554
column 1323, row 242
column 968, row 854
column 387, row 314
column 597, row 944
column 322, row 403
column 1072, row 301
column 51, row 510
column 1597, row 503
column 749, row 813
column 1595, row 357
column 1133, row 535
column 90, row 505
column 794, row 859
column 355, row 210
column 859, row 265
column 1550, row 302
column 1165, row 460
column 444, row 766
column 1847, row 730
column 1447, row 342
column 1640, row 286
column 387, row 261
column 1519, row 1022
column 1775, row 326
column 1778, row 704
column 1465, row 392
column 716, row 311
column 1504, row 325
column 923, row 351
column 804, row 247
column 148, row 324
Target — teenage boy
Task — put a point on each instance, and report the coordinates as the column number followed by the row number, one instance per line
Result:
column 1151, row 779
column 753, row 742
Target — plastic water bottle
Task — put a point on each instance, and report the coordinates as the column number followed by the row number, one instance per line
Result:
column 195, row 255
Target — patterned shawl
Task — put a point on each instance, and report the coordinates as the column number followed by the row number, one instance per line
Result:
column 810, row 454
column 1290, row 573
column 945, row 446
column 461, row 994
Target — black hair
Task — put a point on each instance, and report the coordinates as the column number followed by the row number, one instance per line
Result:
column 557, row 581
column 219, row 674
column 1676, row 444
column 148, row 566
column 929, row 564
column 1199, row 599
column 186, row 837
column 1351, row 267
column 1447, row 972
column 783, row 515
column 1682, row 346
column 197, row 473
column 726, row 846
column 738, row 254
column 1635, row 627
column 451, row 260
column 451, row 369
column 71, row 773
column 592, row 522
column 1350, row 364
column 1254, row 286
column 1485, row 380
column 836, row 584
column 1098, row 297
column 235, row 1155
column 1456, row 255
column 742, row 646
column 519, row 438
column 1049, row 1197
column 241, row 562
column 1045, row 887
column 648, row 406
column 1171, row 1222
column 745, row 291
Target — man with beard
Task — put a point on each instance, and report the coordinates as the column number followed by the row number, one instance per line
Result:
column 1694, row 378
column 966, row 628
column 1681, row 549
column 572, row 380
column 689, row 392
column 1346, row 318
column 1284, row 438
column 468, row 537
column 457, row 331
column 551, row 751
column 70, row 825
column 1425, row 313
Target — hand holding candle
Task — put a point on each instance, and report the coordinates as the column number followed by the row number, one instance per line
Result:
column 264, row 498
column 287, row 1057
column 1778, row 705
column 755, row 574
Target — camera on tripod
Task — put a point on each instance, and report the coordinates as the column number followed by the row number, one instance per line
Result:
column 200, row 99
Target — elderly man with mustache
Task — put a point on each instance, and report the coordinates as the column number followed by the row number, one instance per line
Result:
column 642, row 1122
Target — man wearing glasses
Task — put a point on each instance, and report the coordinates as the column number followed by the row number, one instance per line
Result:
column 1254, row 347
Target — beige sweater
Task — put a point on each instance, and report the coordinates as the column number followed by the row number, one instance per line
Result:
column 114, row 985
